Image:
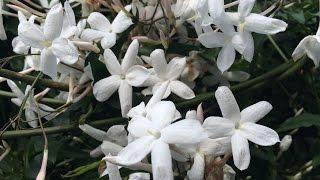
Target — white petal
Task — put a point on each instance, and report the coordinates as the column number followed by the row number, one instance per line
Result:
column 139, row 176
column 218, row 127
column 264, row 25
column 160, row 84
column 129, row 58
column 69, row 14
column 31, row 34
column 245, row 7
column 113, row 171
column 108, row 147
column 121, row 22
column 136, row 151
column 183, row 132
column 65, row 51
column 228, row 104
column 310, row 45
column 53, row 24
column 157, row 95
column 259, row 134
column 104, row 88
column 240, row 151
column 137, row 75
column 92, row 35
column 96, row 134
column 99, row 22
column 162, row 114
column 161, row 161
column 48, row 63
column 226, row 57
column 212, row 39
column 137, row 110
column 244, row 44
column 159, row 62
column 181, row 90
column 175, row 68
column 216, row 147
column 125, row 96
column 108, row 40
column 31, row 118
column 15, row 89
column 255, row 112
column 118, row 134
column 216, row 8
column 237, row 76
column 139, row 126
column 19, row 47
column 191, row 114
column 111, row 62
column 197, row 170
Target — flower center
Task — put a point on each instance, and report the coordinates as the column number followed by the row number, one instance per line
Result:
column 154, row 133
column 237, row 125
column 241, row 26
column 122, row 77
column 46, row 43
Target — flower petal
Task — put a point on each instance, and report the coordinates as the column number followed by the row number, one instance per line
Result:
column 53, row 24
column 108, row 40
column 31, row 118
column 159, row 62
column 183, row 132
column 118, row 134
column 216, row 8
column 15, row 89
column 245, row 7
column 48, row 63
column 175, row 68
column 31, row 35
column 212, row 39
column 65, row 51
column 264, row 25
column 216, row 147
column 121, row 22
column 217, row 127
column 96, row 134
column 136, row 151
column 129, row 58
column 111, row 62
column 162, row 114
column 113, row 171
column 237, row 76
column 181, row 90
column 228, row 104
column 125, row 97
column 243, row 42
column 255, row 112
column 161, row 161
column 240, row 151
column 259, row 134
column 108, row 147
column 226, row 57
column 139, row 126
column 104, row 88
column 157, row 95
column 197, row 170
column 92, row 35
column 310, row 45
column 99, row 22
column 137, row 75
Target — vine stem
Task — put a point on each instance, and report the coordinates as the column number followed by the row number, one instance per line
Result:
column 279, row 73
column 30, row 79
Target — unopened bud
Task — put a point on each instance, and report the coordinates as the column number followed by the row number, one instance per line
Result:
column 285, row 143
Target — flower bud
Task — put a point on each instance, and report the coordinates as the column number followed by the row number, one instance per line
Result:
column 285, row 143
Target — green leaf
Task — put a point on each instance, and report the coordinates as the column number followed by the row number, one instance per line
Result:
column 316, row 161
column 304, row 120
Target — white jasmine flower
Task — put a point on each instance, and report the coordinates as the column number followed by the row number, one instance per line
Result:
column 47, row 39
column 248, row 22
column 122, row 78
column 102, row 29
column 32, row 108
column 171, row 72
column 309, row 46
column 240, row 126
column 155, row 134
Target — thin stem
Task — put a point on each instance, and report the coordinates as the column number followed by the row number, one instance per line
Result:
column 275, row 45
column 61, row 129
column 30, row 79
